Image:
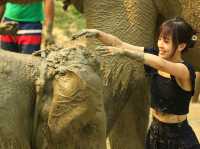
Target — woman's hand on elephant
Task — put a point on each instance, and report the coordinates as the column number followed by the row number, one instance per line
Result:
column 110, row 51
column 88, row 33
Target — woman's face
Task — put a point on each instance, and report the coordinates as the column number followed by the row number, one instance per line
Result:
column 165, row 46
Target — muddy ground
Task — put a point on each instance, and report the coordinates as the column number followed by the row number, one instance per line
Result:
column 194, row 118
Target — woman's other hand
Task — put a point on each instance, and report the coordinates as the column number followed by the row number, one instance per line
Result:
column 110, row 51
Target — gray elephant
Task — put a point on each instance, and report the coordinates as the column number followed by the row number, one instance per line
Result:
column 135, row 22
column 17, row 94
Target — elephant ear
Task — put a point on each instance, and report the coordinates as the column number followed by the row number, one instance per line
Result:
column 74, row 95
column 66, row 104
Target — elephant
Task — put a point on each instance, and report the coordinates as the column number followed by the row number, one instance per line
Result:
column 51, row 102
column 125, row 85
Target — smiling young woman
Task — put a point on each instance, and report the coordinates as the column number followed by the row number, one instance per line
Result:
column 172, row 81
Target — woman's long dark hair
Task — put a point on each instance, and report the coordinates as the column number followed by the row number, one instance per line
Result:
column 181, row 32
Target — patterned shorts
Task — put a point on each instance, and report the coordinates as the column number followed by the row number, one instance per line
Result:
column 27, row 40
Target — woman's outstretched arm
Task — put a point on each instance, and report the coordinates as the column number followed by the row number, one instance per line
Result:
column 106, row 38
column 175, row 69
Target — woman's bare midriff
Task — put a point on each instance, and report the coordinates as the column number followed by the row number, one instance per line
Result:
column 168, row 118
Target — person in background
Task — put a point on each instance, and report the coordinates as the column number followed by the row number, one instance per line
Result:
column 171, row 91
column 31, row 19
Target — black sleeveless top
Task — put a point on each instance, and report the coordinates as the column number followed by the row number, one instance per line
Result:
column 166, row 95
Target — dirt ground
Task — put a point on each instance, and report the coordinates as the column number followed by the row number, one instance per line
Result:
column 194, row 118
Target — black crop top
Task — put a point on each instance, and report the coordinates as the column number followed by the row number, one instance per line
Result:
column 166, row 95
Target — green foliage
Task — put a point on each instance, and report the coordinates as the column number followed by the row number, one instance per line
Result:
column 70, row 20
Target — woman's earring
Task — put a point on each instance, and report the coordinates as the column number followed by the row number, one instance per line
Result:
column 194, row 38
